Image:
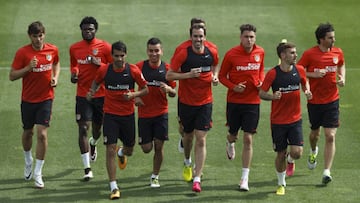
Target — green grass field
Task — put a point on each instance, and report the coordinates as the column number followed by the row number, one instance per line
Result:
column 135, row 21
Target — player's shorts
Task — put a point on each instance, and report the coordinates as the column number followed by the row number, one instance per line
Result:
column 326, row 115
column 286, row 134
column 89, row 110
column 119, row 127
column 195, row 117
column 155, row 127
column 242, row 116
column 36, row 113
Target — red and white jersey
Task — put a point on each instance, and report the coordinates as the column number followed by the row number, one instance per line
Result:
column 324, row 90
column 86, row 70
column 238, row 66
column 36, row 85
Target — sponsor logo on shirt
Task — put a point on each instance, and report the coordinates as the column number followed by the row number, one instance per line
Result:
column 250, row 66
column 289, row 88
column 42, row 68
column 154, row 83
column 118, row 87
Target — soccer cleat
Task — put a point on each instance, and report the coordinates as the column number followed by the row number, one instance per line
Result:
column 93, row 150
column 243, row 185
column 312, row 159
column 187, row 173
column 230, row 150
column 88, row 175
column 181, row 146
column 326, row 179
column 290, row 169
column 154, row 182
column 280, row 190
column 39, row 183
column 28, row 172
column 122, row 160
column 115, row 194
column 196, row 187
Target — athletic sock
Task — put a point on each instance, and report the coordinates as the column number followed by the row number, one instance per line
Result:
column 245, row 174
column 38, row 167
column 86, row 159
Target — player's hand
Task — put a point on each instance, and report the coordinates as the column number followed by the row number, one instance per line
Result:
column 33, row 63
column 321, row 73
column 139, row 101
column 240, row 87
column 341, row 82
column 195, row 72
column 277, row 95
column 74, row 78
column 53, row 82
column 308, row 94
column 215, row 80
column 128, row 95
column 90, row 94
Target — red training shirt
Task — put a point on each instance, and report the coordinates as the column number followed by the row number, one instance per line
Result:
column 36, row 85
column 239, row 66
column 324, row 89
column 85, row 69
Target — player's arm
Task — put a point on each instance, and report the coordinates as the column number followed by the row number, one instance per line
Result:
column 19, row 73
column 55, row 74
column 168, row 89
column 74, row 70
column 268, row 97
column 341, row 75
column 94, row 87
column 173, row 75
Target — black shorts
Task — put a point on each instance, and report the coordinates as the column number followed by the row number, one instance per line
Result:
column 36, row 113
column 195, row 117
column 150, row 128
column 89, row 110
column 326, row 115
column 119, row 127
column 242, row 116
column 287, row 134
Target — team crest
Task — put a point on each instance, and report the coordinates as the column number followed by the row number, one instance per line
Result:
column 95, row 52
column 335, row 60
column 257, row 58
column 48, row 57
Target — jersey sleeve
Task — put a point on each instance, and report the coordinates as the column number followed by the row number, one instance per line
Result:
column 268, row 80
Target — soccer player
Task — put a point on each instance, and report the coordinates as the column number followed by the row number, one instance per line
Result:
column 194, row 67
column 86, row 56
column 153, row 107
column 286, row 123
column 38, row 65
column 242, row 72
column 184, row 45
column 325, row 68
column 119, row 78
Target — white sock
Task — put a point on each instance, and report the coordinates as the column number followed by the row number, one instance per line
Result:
column 154, row 176
column 86, row 159
column 326, row 172
column 113, row 186
column 281, row 178
column 28, row 157
column 245, row 174
column 187, row 161
column 38, row 167
column 120, row 152
column 197, row 179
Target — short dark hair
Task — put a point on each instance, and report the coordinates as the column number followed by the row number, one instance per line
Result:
column 322, row 29
column 197, row 27
column 154, row 41
column 119, row 45
column 196, row 20
column 247, row 27
column 283, row 46
column 89, row 20
column 36, row 28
